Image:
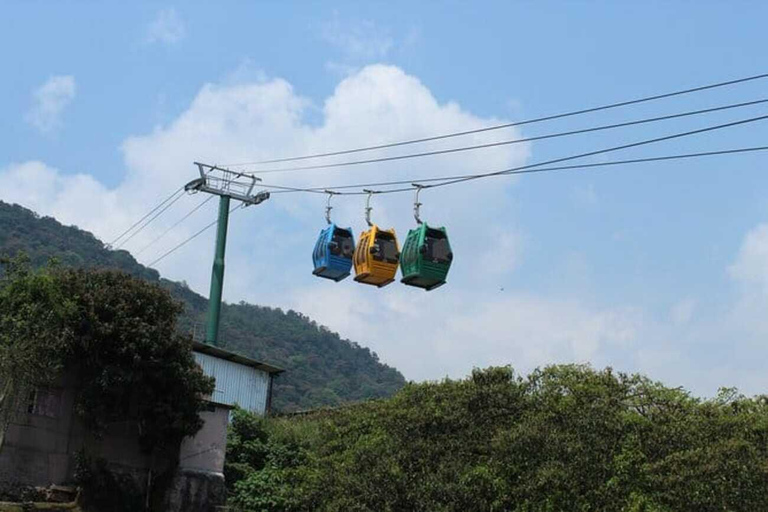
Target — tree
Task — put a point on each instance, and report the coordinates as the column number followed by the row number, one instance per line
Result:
column 565, row 438
column 117, row 333
column 34, row 333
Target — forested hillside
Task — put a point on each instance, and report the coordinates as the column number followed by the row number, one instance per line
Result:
column 322, row 368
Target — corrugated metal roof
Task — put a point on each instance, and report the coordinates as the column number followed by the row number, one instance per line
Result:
column 236, row 383
column 237, row 358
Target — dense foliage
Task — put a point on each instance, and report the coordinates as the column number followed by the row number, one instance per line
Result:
column 103, row 489
column 566, row 438
column 33, row 326
column 115, row 334
column 323, row 369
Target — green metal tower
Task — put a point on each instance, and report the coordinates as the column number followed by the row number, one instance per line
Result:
column 227, row 185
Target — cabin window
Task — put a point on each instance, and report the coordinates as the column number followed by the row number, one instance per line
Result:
column 438, row 249
column 341, row 244
column 386, row 250
column 347, row 247
column 44, row 401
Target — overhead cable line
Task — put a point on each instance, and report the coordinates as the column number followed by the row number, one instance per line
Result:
column 504, row 173
column 513, row 141
column 516, row 170
column 185, row 217
column 510, row 172
column 153, row 210
column 682, row 156
column 509, row 125
column 609, row 150
column 151, row 219
column 198, row 233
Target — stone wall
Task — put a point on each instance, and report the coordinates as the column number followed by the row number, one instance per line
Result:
column 195, row 491
column 43, row 440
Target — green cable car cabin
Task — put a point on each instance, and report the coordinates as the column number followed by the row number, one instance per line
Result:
column 426, row 257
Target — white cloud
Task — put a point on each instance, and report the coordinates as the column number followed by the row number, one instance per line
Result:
column 751, row 265
column 447, row 333
column 747, row 318
column 49, row 101
column 707, row 344
column 682, row 312
column 505, row 255
column 167, row 28
column 360, row 41
column 585, row 196
column 48, row 191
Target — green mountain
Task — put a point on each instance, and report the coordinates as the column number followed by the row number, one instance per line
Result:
column 322, row 368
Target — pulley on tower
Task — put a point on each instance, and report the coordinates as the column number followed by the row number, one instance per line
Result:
column 227, row 185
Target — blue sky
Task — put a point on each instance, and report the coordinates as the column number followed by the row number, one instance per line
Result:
column 659, row 268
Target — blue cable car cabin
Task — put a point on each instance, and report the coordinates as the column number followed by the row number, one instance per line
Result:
column 333, row 253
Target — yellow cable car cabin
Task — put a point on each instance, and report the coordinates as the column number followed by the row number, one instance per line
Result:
column 376, row 257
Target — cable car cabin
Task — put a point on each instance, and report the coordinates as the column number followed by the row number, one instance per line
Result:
column 426, row 257
column 333, row 253
column 377, row 257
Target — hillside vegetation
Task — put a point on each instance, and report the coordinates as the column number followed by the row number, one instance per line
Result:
column 562, row 439
column 322, row 368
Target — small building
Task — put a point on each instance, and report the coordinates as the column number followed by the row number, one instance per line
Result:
column 239, row 381
column 43, row 439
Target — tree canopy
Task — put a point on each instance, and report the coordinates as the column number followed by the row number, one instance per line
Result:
column 565, row 438
column 116, row 333
column 34, row 333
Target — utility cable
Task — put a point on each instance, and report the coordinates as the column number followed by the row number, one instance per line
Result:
column 510, row 172
column 517, row 170
column 681, row 156
column 514, row 141
column 509, row 125
column 198, row 233
column 153, row 210
column 514, row 170
column 155, row 216
column 610, row 150
column 185, row 217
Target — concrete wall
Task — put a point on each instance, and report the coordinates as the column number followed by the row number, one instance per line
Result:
column 40, row 446
column 206, row 450
column 41, row 450
column 198, row 484
column 37, row 444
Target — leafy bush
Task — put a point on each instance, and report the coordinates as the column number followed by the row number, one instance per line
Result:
column 105, row 490
column 34, row 333
column 565, row 438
